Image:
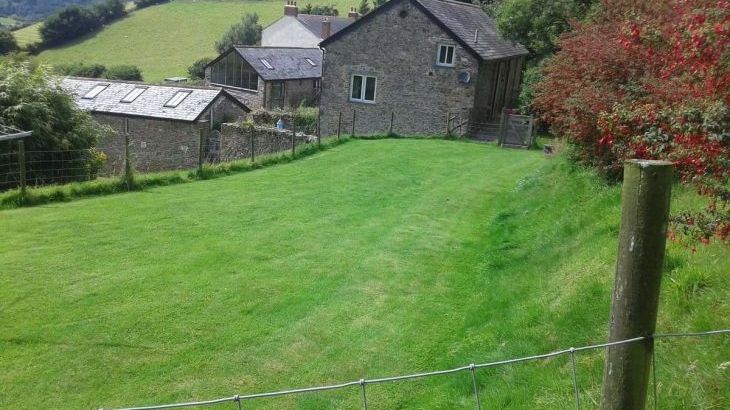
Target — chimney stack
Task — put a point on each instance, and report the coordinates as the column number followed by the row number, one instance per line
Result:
column 353, row 14
column 326, row 28
column 291, row 9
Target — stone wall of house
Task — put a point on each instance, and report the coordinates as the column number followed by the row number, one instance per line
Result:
column 235, row 141
column 298, row 91
column 225, row 110
column 399, row 47
column 155, row 145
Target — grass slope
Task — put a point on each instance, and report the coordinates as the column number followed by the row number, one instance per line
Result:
column 373, row 258
column 165, row 40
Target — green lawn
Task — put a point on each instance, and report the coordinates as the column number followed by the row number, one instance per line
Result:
column 165, row 40
column 373, row 258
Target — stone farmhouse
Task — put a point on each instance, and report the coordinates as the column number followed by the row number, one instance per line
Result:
column 163, row 122
column 418, row 60
column 268, row 77
column 303, row 30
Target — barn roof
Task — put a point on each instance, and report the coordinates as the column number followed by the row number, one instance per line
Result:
column 468, row 24
column 144, row 100
column 284, row 63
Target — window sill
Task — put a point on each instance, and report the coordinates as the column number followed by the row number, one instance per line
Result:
column 445, row 65
column 362, row 102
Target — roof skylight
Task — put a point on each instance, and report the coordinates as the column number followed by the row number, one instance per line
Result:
column 312, row 63
column 267, row 63
column 133, row 94
column 178, row 98
column 95, row 91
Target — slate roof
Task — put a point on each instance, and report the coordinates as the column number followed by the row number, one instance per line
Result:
column 313, row 23
column 149, row 104
column 462, row 21
column 289, row 62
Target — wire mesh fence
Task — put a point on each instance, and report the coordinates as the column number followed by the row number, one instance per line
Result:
column 37, row 168
column 360, row 387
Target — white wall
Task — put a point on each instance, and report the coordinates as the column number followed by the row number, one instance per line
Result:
column 288, row 32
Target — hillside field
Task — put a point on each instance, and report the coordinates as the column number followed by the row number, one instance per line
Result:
column 374, row 258
column 165, row 40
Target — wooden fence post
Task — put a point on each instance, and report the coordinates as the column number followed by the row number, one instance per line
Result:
column 353, row 122
column 392, row 118
column 293, row 139
column 128, row 178
column 319, row 132
column 201, row 151
column 642, row 239
column 252, row 133
column 22, row 169
column 339, row 126
column 448, row 123
column 502, row 127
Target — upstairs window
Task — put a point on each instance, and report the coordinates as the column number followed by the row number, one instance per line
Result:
column 95, row 91
column 266, row 63
column 178, row 98
column 129, row 98
column 362, row 88
column 446, row 56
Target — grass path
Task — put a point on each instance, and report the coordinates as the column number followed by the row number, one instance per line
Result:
column 374, row 258
column 165, row 40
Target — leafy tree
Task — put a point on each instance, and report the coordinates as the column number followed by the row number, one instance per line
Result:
column 197, row 70
column 110, row 10
column 124, row 73
column 68, row 24
column 538, row 24
column 32, row 99
column 364, row 7
column 649, row 79
column 7, row 42
column 80, row 70
column 378, row 3
column 247, row 32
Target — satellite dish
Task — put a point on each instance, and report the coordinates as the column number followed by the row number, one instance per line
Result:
column 464, row 77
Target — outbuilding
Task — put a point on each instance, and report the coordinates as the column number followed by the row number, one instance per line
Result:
column 163, row 122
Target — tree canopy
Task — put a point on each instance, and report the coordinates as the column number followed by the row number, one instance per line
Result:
column 247, row 32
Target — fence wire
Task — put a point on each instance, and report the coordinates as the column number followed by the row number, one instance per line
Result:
column 47, row 167
column 362, row 383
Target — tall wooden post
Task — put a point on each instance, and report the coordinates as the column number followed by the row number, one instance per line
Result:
column 128, row 178
column 293, row 139
column 339, row 126
column 502, row 127
column 448, row 124
column 201, row 151
column 22, row 169
column 642, row 240
column 354, row 116
column 319, row 133
column 392, row 118
column 252, row 133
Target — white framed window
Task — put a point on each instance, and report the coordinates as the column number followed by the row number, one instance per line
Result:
column 178, row 98
column 445, row 57
column 129, row 98
column 362, row 88
column 95, row 91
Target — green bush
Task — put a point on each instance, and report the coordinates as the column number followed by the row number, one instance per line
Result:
column 197, row 70
column 68, row 24
column 80, row 70
column 146, row 3
column 7, row 42
column 124, row 73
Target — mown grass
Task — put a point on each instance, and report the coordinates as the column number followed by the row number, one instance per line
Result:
column 111, row 185
column 372, row 258
column 28, row 35
column 165, row 40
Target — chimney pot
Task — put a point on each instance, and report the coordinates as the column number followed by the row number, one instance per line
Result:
column 326, row 29
column 291, row 9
